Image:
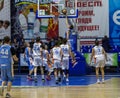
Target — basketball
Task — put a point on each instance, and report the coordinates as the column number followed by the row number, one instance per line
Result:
column 64, row 11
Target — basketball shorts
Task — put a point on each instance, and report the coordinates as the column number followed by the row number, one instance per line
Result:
column 38, row 61
column 6, row 74
column 65, row 63
column 100, row 63
column 57, row 64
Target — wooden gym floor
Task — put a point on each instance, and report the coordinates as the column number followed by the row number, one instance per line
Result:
column 111, row 89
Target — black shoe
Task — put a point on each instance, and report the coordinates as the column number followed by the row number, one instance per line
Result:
column 56, row 82
column 43, row 80
column 8, row 95
column 29, row 77
column 59, row 79
column 35, row 79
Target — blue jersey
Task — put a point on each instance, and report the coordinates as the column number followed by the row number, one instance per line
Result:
column 27, row 52
column 5, row 56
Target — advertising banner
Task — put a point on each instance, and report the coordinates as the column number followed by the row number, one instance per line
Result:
column 93, row 20
column 112, row 59
column 5, row 19
column 114, row 21
column 26, row 22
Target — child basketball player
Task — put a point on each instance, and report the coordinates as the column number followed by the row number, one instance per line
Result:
column 65, row 60
column 99, row 55
column 37, row 54
column 57, row 58
column 6, row 55
column 45, row 56
column 29, row 60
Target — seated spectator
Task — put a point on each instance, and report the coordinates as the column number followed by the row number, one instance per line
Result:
column 105, row 43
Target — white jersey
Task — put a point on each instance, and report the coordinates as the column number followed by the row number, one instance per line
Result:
column 56, row 53
column 37, row 49
column 99, row 53
column 44, row 55
column 65, row 49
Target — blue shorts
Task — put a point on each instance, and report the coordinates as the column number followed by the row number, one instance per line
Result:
column 6, row 74
column 30, row 65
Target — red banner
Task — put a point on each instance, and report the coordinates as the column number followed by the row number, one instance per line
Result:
column 53, row 31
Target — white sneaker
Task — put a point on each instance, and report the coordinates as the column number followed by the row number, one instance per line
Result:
column 98, row 81
column 103, row 81
column 67, row 80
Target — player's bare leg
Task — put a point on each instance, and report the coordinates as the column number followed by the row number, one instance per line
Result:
column 59, row 74
column 30, row 74
column 103, row 73
column 8, row 90
column 56, row 75
column 97, row 74
column 42, row 72
column 2, row 88
column 48, row 76
column 67, row 75
column 35, row 73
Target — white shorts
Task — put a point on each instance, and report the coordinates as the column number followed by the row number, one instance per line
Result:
column 65, row 63
column 45, row 63
column 57, row 64
column 38, row 61
column 100, row 63
column 99, row 57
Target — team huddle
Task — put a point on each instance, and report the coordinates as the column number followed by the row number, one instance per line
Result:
column 54, row 60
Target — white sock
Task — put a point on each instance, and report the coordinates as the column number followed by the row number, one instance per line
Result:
column 42, row 76
column 56, row 78
column 35, row 74
column 98, row 80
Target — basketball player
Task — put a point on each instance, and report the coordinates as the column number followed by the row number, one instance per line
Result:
column 65, row 60
column 29, row 60
column 45, row 56
column 7, row 55
column 37, row 54
column 99, row 55
column 57, row 58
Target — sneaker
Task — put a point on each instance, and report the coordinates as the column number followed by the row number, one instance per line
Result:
column 35, row 79
column 43, row 79
column 56, row 82
column 98, row 81
column 1, row 91
column 29, row 77
column 59, row 79
column 67, row 80
column 48, row 78
column 64, row 76
column 103, row 81
column 8, row 95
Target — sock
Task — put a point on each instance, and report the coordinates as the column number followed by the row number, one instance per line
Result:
column 56, row 78
column 42, row 76
column 35, row 74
